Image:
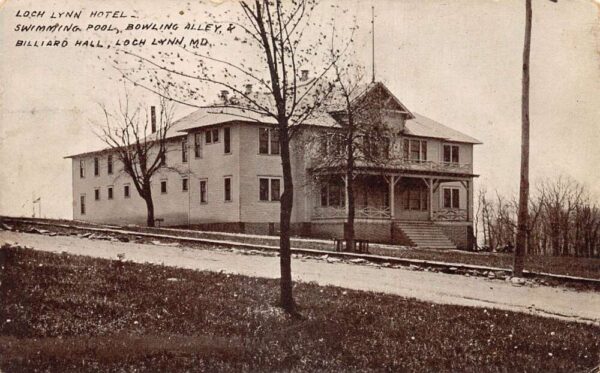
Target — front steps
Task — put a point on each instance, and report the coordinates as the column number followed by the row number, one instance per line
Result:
column 421, row 234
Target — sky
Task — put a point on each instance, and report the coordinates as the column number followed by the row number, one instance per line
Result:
column 457, row 62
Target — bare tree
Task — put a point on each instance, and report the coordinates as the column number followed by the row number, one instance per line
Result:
column 274, row 32
column 363, row 137
column 139, row 140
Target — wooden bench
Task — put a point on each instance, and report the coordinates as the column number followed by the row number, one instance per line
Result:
column 362, row 246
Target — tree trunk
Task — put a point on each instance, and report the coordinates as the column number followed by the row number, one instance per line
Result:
column 350, row 242
column 149, row 206
column 522, row 224
column 286, row 204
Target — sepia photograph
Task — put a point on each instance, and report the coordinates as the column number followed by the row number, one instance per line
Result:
column 300, row 186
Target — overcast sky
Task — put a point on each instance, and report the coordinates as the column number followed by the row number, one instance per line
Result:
column 455, row 61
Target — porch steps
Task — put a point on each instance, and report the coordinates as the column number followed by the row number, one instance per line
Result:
column 421, row 234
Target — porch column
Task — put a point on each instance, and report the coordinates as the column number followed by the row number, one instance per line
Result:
column 392, row 184
column 430, row 199
column 467, row 184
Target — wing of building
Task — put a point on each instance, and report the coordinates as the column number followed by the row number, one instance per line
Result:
column 224, row 173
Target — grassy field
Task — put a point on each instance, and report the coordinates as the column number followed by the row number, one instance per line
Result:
column 66, row 313
column 573, row 266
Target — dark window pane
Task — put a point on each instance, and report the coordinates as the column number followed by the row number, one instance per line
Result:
column 198, row 145
column 215, row 135
column 163, row 187
column 447, row 198
column 96, row 167
column 227, row 140
column 263, row 141
column 275, row 193
column 97, row 194
column 208, row 137
column 324, row 194
column 109, row 165
column 227, row 188
column 274, row 142
column 423, row 150
column 263, row 189
column 455, row 154
column 110, row 193
column 455, row 198
column 447, row 153
column 406, row 148
column 184, row 151
column 126, row 191
column 184, row 185
column 82, row 205
column 203, row 196
column 415, row 152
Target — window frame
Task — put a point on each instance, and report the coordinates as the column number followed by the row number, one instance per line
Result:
column 270, row 140
column 126, row 191
column 185, row 184
column 454, row 197
column 227, row 189
column 198, row 145
column 82, row 169
column 327, row 193
column 163, row 186
column 184, row 150
column 407, row 149
column 96, row 166
column 109, row 164
column 82, row 204
column 96, row 194
column 110, row 192
column 270, row 196
column 454, row 149
column 227, row 140
column 203, row 191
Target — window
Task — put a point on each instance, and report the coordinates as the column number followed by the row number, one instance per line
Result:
column 163, row 186
column 82, row 168
column 269, row 189
column 126, row 191
column 184, row 184
column 416, row 199
column 227, row 189
column 212, row 136
column 97, row 194
column 227, row 140
column 82, row 204
column 96, row 166
column 275, row 193
column 451, row 153
column 333, row 194
column 415, row 150
column 268, row 141
column 184, row 151
column 109, row 165
column 203, row 192
column 110, row 192
column 451, row 198
column 198, row 145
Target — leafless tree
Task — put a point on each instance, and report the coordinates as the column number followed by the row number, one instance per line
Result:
column 139, row 145
column 273, row 33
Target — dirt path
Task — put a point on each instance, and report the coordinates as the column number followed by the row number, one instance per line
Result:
column 427, row 286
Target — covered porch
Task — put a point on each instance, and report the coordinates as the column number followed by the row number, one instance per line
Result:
column 396, row 196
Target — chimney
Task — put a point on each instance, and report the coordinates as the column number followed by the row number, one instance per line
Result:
column 224, row 96
column 153, row 118
column 248, row 88
column 304, row 76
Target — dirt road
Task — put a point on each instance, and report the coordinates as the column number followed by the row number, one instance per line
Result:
column 432, row 287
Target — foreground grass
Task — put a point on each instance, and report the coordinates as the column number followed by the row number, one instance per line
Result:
column 69, row 313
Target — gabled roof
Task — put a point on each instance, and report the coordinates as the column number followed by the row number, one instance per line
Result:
column 414, row 125
column 422, row 126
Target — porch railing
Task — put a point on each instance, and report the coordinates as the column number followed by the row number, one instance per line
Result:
column 450, row 215
column 361, row 212
column 416, row 165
